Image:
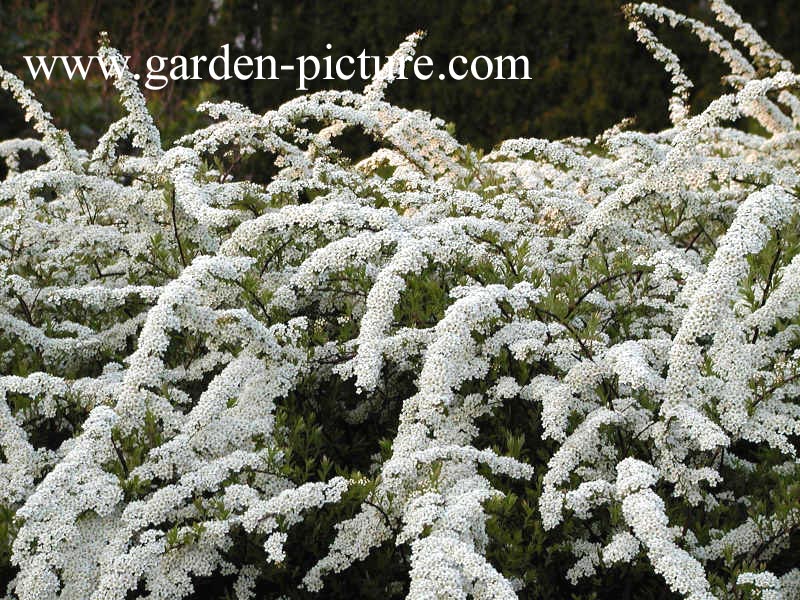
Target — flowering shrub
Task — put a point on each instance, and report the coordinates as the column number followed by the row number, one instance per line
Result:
column 562, row 369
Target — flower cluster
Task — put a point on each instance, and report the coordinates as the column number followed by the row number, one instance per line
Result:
column 559, row 369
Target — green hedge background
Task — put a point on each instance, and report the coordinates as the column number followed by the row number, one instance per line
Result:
column 588, row 70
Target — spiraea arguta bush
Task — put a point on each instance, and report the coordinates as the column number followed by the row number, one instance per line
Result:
column 562, row 369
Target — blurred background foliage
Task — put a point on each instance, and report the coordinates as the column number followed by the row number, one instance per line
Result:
column 588, row 72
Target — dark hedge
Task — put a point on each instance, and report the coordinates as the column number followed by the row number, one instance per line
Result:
column 588, row 72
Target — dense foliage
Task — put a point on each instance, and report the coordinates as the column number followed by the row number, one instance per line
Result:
column 561, row 369
column 587, row 70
